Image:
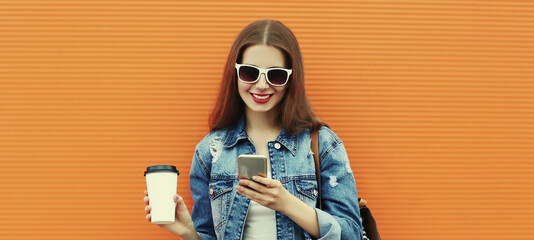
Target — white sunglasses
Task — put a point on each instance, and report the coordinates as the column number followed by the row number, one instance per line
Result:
column 251, row 74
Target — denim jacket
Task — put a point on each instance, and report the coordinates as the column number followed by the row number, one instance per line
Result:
column 219, row 211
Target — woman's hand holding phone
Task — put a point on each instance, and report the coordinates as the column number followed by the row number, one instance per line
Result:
column 272, row 194
column 254, row 184
column 265, row 191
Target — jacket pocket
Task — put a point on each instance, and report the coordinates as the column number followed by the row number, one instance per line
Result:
column 307, row 190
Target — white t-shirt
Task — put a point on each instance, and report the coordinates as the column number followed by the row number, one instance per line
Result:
column 261, row 221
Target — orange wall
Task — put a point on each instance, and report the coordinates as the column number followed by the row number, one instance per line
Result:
column 434, row 102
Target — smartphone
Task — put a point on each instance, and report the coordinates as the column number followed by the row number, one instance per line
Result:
column 252, row 165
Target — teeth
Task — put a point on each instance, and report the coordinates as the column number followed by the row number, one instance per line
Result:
column 261, row 97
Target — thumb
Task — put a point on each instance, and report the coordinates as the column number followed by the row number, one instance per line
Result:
column 180, row 204
column 181, row 209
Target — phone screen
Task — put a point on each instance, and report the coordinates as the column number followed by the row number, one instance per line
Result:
column 252, row 165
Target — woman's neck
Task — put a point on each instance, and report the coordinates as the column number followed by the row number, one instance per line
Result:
column 261, row 122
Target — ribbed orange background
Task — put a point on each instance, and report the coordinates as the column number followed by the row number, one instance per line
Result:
column 434, row 101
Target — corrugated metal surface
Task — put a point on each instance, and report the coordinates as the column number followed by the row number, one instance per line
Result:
column 433, row 101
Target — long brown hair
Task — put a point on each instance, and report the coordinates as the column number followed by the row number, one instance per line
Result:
column 295, row 112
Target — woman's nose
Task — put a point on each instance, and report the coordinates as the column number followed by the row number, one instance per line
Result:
column 262, row 82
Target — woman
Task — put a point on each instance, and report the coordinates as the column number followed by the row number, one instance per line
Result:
column 262, row 109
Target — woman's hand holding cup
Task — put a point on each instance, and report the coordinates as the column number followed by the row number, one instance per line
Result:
column 167, row 209
column 183, row 225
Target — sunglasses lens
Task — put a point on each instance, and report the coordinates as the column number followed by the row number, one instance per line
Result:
column 248, row 74
column 277, row 77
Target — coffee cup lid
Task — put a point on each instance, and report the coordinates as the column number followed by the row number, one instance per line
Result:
column 161, row 168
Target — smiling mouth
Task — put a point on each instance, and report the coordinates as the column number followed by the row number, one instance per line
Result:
column 261, row 98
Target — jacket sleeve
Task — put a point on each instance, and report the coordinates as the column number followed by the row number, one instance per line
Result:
column 199, row 185
column 340, row 216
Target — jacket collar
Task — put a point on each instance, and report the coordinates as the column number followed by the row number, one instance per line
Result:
column 235, row 133
column 238, row 132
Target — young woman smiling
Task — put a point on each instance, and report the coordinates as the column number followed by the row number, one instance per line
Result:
column 262, row 109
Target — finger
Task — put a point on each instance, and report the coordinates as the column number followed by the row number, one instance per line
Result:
column 262, row 180
column 270, row 183
column 274, row 184
column 180, row 204
column 260, row 198
column 182, row 213
column 146, row 193
column 251, row 184
column 265, row 185
column 148, row 209
column 146, row 199
column 148, row 217
column 241, row 190
column 247, row 192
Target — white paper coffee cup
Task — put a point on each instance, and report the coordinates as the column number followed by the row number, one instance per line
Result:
column 161, row 182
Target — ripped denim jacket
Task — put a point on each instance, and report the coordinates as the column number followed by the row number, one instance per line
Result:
column 219, row 211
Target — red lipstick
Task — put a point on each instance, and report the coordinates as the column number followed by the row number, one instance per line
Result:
column 257, row 100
